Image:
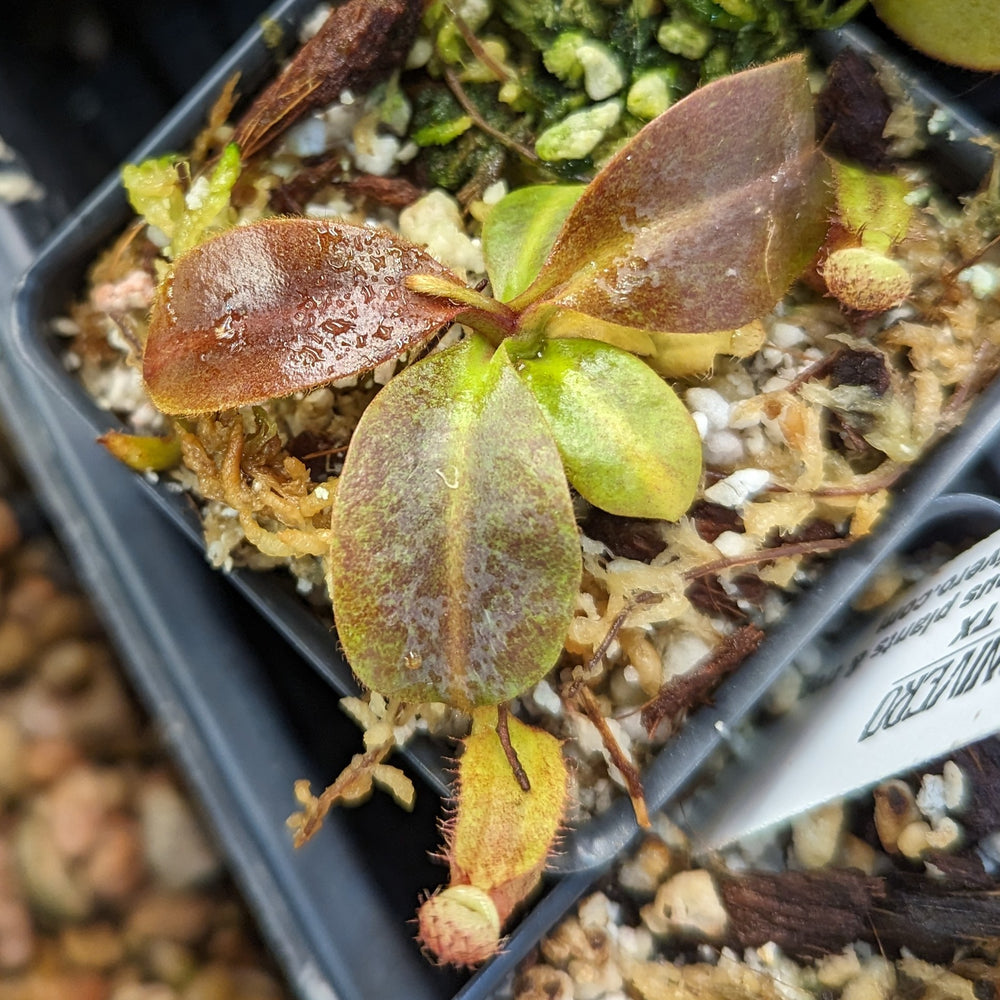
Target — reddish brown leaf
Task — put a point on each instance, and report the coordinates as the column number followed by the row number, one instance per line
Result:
column 281, row 306
column 358, row 44
column 703, row 220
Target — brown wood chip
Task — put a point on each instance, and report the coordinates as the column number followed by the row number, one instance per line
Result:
column 807, row 914
column 360, row 43
column 681, row 694
column 852, row 110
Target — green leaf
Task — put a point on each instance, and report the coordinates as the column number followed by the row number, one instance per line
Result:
column 204, row 204
column 185, row 217
column 627, row 442
column 704, row 218
column 519, row 232
column 154, row 191
column 963, row 34
column 456, row 562
column 282, row 306
column 142, row 452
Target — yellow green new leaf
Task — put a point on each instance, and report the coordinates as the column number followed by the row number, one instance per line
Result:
column 628, row 444
column 143, row 452
column 961, row 32
column 519, row 232
column 673, row 354
column 184, row 214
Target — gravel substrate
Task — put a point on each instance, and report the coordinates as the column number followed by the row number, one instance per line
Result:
column 110, row 889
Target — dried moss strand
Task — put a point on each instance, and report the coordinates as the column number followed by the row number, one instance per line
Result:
column 767, row 555
column 455, row 86
column 356, row 775
column 633, row 783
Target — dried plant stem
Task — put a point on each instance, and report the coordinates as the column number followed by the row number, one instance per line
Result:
column 503, row 731
column 952, row 410
column 454, row 84
column 977, row 256
column 889, row 473
column 609, row 637
column 476, row 47
column 767, row 555
column 584, row 697
column 816, row 370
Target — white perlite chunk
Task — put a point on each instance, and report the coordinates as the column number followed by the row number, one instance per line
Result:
column 375, row 152
column 683, row 653
column 989, row 851
column 982, row 279
column 786, row 335
column 307, row 137
column 816, row 836
column 435, row 221
column 956, row 787
column 701, row 423
column 930, row 798
column 578, row 134
column 732, row 543
column 688, row 903
column 546, row 698
column 713, row 404
column 737, row 488
column 723, row 448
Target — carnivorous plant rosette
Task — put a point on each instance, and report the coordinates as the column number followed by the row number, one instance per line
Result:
column 452, row 553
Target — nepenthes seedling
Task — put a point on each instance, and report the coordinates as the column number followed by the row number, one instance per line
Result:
column 451, row 550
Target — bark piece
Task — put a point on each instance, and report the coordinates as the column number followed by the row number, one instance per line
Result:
column 359, row 44
column 852, row 110
column 688, row 691
column 807, row 914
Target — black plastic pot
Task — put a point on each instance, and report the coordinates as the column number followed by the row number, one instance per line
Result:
column 250, row 708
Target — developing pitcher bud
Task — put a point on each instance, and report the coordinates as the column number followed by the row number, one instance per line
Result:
column 460, row 925
column 865, row 279
column 498, row 840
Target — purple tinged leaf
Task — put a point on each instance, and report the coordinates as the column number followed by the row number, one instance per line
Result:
column 703, row 220
column 456, row 562
column 282, row 306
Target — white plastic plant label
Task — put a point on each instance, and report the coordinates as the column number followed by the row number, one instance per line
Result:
column 922, row 680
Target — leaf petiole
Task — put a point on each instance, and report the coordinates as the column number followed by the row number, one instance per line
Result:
column 495, row 320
